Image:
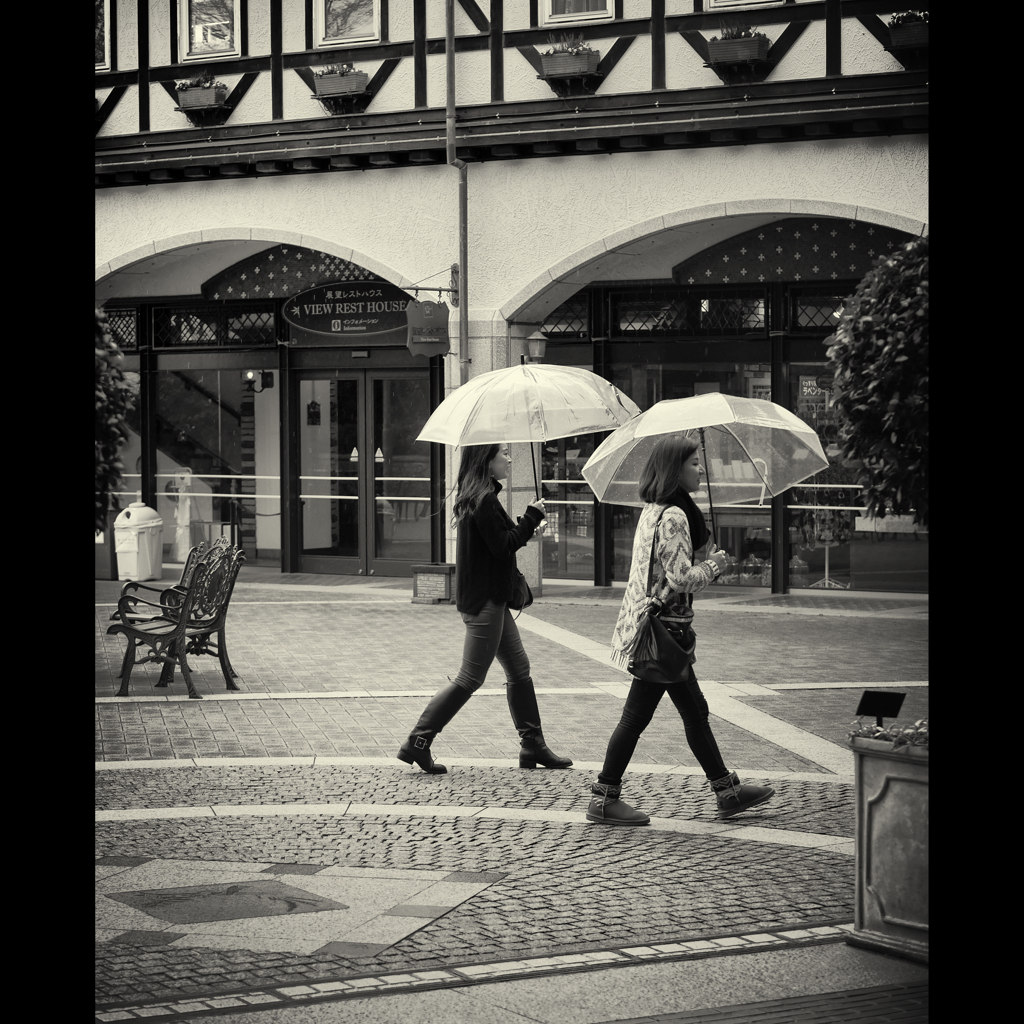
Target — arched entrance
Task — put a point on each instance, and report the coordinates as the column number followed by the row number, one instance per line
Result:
column 747, row 315
column 299, row 445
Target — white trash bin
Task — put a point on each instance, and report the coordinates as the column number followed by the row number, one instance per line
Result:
column 139, row 543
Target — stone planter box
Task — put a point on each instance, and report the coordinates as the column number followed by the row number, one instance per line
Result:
column 433, row 583
column 568, row 65
column 906, row 36
column 201, row 99
column 341, row 85
column 735, row 51
column 891, row 786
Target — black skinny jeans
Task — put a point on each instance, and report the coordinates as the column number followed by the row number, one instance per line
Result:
column 641, row 704
column 492, row 634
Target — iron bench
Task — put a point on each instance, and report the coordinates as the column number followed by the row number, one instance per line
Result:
column 193, row 625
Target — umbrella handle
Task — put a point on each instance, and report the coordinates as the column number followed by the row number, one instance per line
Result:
column 536, row 481
column 711, row 504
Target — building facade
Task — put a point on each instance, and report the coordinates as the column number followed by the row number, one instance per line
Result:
column 674, row 223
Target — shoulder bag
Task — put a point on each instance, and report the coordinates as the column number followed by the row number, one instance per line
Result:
column 658, row 654
column 522, row 595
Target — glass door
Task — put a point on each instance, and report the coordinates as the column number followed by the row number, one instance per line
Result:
column 364, row 479
column 331, row 492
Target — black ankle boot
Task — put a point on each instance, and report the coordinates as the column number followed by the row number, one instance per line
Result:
column 443, row 707
column 522, row 704
column 534, row 751
column 416, row 750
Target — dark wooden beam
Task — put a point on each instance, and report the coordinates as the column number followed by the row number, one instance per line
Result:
column 276, row 62
column 657, row 44
column 108, row 105
column 419, row 53
column 497, row 51
column 475, row 15
column 833, row 38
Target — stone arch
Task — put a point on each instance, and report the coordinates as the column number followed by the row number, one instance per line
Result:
column 559, row 281
column 160, row 246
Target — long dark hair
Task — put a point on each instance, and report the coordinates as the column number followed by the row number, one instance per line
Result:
column 661, row 482
column 475, row 479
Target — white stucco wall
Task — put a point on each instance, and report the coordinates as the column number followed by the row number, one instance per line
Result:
column 529, row 220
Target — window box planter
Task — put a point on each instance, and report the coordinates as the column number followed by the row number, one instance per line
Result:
column 569, row 65
column 736, row 51
column 913, row 35
column 202, row 99
column 891, row 788
column 341, row 85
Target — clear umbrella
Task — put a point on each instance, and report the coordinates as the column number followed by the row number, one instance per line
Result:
column 752, row 448
column 529, row 402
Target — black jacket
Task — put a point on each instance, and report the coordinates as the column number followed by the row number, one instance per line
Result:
column 485, row 553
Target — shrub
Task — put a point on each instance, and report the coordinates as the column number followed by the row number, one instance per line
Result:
column 113, row 401
column 880, row 359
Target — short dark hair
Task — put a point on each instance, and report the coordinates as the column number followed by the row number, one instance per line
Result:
column 661, row 481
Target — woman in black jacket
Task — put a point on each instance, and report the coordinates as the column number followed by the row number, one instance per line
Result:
column 485, row 576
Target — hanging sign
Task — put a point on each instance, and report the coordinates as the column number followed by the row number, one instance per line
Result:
column 348, row 313
column 428, row 328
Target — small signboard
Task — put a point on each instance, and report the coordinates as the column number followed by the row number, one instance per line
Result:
column 349, row 313
column 428, row 328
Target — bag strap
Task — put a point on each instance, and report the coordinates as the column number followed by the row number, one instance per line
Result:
column 654, row 543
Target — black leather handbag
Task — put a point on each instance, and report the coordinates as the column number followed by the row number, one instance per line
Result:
column 522, row 595
column 658, row 653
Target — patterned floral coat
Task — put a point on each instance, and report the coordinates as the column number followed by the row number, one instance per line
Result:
column 677, row 574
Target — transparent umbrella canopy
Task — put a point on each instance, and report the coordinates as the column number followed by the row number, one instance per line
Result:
column 529, row 402
column 752, row 449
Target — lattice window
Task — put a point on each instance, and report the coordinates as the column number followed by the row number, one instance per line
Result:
column 817, row 311
column 242, row 326
column 281, row 272
column 571, row 317
column 124, row 327
column 732, row 313
column 654, row 316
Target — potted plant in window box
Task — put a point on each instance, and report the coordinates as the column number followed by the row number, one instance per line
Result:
column 339, row 80
column 569, row 57
column 201, row 92
column 737, row 44
column 909, row 30
column 891, row 789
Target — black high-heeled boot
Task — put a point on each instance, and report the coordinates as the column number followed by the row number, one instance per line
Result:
column 522, row 703
column 443, row 707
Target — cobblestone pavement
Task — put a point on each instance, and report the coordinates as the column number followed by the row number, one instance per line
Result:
column 263, row 848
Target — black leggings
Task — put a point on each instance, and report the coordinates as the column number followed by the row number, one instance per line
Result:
column 640, row 706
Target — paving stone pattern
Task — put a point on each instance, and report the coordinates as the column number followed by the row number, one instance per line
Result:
column 905, row 1004
column 778, row 648
column 628, row 887
column 576, row 725
column 824, row 808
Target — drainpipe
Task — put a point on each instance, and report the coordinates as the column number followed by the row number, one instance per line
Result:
column 453, row 161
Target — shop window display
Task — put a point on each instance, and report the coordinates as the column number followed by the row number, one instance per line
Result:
column 217, row 463
column 833, row 545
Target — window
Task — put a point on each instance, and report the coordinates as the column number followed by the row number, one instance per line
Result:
column 570, row 11
column 347, row 21
column 727, row 5
column 102, row 35
column 209, row 28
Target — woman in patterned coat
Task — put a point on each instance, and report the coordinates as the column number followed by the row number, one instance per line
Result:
column 672, row 473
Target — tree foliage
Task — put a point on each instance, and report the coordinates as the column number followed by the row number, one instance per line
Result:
column 113, row 402
column 880, row 357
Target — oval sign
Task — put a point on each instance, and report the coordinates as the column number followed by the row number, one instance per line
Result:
column 825, row 381
column 349, row 310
